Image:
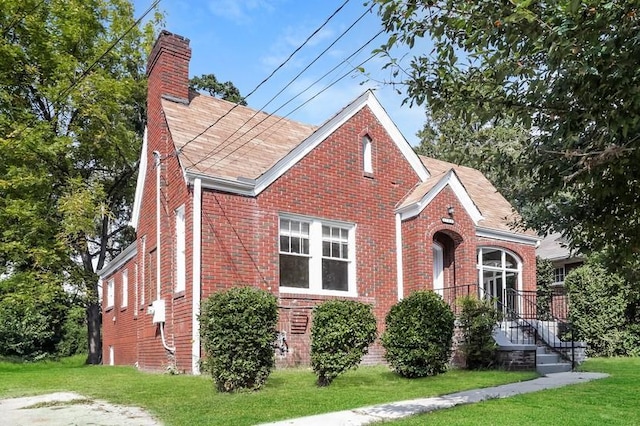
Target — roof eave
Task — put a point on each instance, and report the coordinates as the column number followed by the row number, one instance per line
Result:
column 513, row 237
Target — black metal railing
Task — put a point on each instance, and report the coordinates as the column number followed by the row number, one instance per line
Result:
column 554, row 332
column 520, row 317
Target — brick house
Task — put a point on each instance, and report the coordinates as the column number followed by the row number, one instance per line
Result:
column 229, row 196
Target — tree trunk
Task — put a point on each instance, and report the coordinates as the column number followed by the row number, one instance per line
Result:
column 94, row 321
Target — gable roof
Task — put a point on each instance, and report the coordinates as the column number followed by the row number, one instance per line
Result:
column 555, row 247
column 492, row 213
column 247, row 150
column 243, row 143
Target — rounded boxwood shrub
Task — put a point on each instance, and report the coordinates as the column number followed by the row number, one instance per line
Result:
column 238, row 328
column 341, row 333
column 477, row 320
column 418, row 335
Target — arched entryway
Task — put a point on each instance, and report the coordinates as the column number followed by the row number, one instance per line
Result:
column 443, row 251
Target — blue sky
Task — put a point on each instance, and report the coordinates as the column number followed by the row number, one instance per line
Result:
column 245, row 40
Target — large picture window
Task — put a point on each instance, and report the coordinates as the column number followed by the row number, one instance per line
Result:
column 316, row 256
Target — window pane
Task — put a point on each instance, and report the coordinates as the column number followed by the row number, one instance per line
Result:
column 326, row 249
column 295, row 227
column 335, row 275
column 295, row 245
column 294, row 271
column 492, row 258
column 284, row 226
column 305, row 229
column 510, row 262
column 344, row 234
column 345, row 251
column 284, row 243
column 335, row 250
column 305, row 246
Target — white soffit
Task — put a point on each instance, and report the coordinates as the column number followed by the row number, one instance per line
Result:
column 142, row 172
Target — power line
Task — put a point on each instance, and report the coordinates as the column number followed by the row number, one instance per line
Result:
column 86, row 72
column 222, row 146
column 269, row 76
column 216, row 150
column 294, row 110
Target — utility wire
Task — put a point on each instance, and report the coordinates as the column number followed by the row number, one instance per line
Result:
column 18, row 19
column 222, row 146
column 294, row 110
column 216, row 150
column 86, row 72
column 269, row 76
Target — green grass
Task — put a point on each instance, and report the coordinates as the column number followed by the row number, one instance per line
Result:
column 180, row 400
column 611, row 401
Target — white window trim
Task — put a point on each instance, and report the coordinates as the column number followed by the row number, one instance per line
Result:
column 555, row 275
column 502, row 269
column 181, row 246
column 315, row 257
column 110, row 293
column 125, row 289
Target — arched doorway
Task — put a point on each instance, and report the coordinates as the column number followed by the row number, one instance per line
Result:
column 443, row 250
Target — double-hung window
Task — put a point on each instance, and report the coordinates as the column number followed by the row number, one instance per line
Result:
column 317, row 256
column 110, row 293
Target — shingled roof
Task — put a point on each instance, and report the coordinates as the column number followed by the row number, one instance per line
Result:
column 242, row 143
column 497, row 213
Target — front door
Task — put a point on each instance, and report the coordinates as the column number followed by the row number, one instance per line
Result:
column 438, row 269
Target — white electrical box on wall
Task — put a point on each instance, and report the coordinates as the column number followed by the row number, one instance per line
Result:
column 158, row 311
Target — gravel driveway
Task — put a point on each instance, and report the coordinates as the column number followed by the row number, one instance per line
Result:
column 66, row 408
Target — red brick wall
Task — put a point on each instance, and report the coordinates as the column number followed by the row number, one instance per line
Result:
column 240, row 234
column 118, row 322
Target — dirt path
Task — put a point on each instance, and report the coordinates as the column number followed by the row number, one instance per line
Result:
column 66, row 408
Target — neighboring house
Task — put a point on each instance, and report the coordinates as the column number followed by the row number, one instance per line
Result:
column 229, row 196
column 554, row 247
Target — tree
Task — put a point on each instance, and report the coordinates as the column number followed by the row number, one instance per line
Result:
column 72, row 114
column 210, row 84
column 493, row 148
column 568, row 71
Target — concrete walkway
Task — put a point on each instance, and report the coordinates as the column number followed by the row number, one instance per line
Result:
column 396, row 410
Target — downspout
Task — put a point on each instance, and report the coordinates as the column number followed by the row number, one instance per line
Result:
column 400, row 276
column 157, row 165
column 156, row 155
column 196, row 280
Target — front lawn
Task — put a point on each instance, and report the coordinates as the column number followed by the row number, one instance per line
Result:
column 180, row 400
column 611, row 401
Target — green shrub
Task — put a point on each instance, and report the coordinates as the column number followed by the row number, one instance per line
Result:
column 598, row 301
column 74, row 333
column 544, row 293
column 32, row 314
column 341, row 333
column 238, row 329
column 418, row 335
column 477, row 320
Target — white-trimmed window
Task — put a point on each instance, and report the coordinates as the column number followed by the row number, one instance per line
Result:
column 558, row 275
column 180, row 250
column 125, row 288
column 317, row 256
column 110, row 293
column 367, row 155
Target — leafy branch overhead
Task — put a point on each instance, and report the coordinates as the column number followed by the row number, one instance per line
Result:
column 209, row 83
column 566, row 70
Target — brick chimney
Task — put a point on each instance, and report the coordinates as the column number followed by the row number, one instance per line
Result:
column 168, row 67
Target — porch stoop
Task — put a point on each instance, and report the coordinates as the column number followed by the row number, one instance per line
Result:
column 548, row 362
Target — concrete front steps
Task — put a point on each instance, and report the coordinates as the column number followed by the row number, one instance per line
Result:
column 548, row 362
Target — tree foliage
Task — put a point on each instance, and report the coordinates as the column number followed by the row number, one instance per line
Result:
column 544, row 292
column 418, row 335
column 494, row 148
column 238, row 329
column 341, row 333
column 568, row 71
column 603, row 310
column 210, row 84
column 72, row 108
